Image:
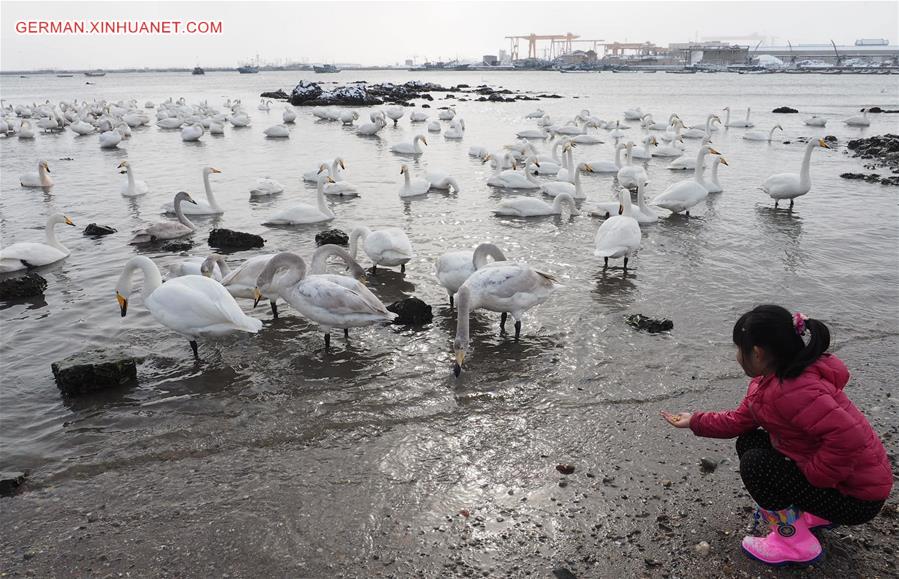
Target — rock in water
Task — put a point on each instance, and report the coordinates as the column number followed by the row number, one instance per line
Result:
column 784, row 110
column 98, row 230
column 176, row 245
column 10, row 482
column 278, row 94
column 227, row 239
column 94, row 370
column 26, row 286
column 648, row 324
column 411, row 311
column 332, row 237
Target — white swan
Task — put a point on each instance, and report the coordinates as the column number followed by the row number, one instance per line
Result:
column 412, row 187
column 39, row 179
column 434, row 127
column 454, row 267
column 131, row 187
column 761, row 135
column 213, row 266
column 332, row 171
column 289, row 116
column 277, row 132
column 697, row 133
column 193, row 305
column 418, row 117
column 413, row 148
column 747, row 124
column 395, row 113
column 446, row 114
column 264, row 105
column 506, row 287
column 82, row 128
column 26, row 130
column 630, row 175
column 532, row 134
column 442, row 181
column 619, row 235
column 859, row 120
column 372, row 128
column 644, row 153
column 241, row 281
column 239, row 119
column 642, row 212
column 387, row 247
column 532, row 207
column 208, row 207
column 192, row 132
column 456, row 130
column 512, row 179
column 685, row 163
column 712, row 184
column 331, row 301
column 110, row 139
column 538, row 114
column 606, row 166
column 634, row 114
column 266, row 186
column 555, row 188
column 674, row 146
column 168, row 229
column 347, row 118
column 26, row 254
column 303, row 213
column 815, row 121
column 683, row 195
column 793, row 185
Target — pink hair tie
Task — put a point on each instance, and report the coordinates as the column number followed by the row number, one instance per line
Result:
column 799, row 323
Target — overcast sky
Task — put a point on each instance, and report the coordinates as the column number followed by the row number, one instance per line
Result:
column 379, row 33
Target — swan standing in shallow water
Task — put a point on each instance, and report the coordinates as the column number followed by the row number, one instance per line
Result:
column 619, row 235
column 761, row 135
column 859, row 120
column 454, row 267
column 39, row 179
column 110, row 139
column 395, row 113
column 266, row 186
column 413, row 187
column 413, row 148
column 303, row 213
column 630, row 175
column 241, row 281
column 683, row 195
column 331, row 301
column 168, row 229
column 208, row 207
column 132, row 187
column 712, row 184
column 506, row 287
column 26, row 130
column 746, row 124
column 531, row 207
column 26, row 254
column 793, row 185
column 388, row 247
column 193, row 305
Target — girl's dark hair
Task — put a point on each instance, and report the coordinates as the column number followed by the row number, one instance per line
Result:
column 771, row 328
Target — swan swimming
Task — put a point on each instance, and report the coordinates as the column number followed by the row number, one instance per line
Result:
column 387, row 247
column 192, row 132
column 683, row 195
column 761, row 135
column 168, row 229
column 442, row 181
column 747, row 124
column 27, row 254
column 412, row 187
column 793, row 185
column 193, row 305
column 39, row 179
column 413, row 148
column 630, row 175
column 277, row 132
column 266, row 186
column 532, row 207
column 208, row 207
column 304, row 213
column 131, row 187
column 859, row 120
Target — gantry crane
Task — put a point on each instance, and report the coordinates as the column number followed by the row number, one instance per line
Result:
column 563, row 39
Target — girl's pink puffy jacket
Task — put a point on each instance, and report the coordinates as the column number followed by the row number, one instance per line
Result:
column 814, row 423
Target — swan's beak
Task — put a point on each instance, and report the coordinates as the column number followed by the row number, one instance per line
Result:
column 588, row 168
column 823, row 143
column 123, row 172
column 457, row 365
column 402, row 170
column 122, row 164
column 321, row 170
column 486, row 158
column 216, row 171
column 190, row 200
column 621, row 208
column 536, row 162
column 724, row 161
column 46, row 167
column 713, row 151
column 342, row 166
column 123, row 303
column 330, row 180
column 257, row 295
column 69, row 221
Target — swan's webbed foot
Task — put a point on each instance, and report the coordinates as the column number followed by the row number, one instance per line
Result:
column 502, row 322
column 517, row 329
column 403, row 266
column 193, row 346
column 274, row 310
column 328, row 341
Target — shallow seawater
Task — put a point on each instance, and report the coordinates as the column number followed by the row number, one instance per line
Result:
column 833, row 257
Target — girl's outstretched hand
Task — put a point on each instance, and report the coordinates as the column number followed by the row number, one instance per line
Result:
column 679, row 420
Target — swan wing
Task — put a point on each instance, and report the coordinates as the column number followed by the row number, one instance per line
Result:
column 31, row 254
column 194, row 305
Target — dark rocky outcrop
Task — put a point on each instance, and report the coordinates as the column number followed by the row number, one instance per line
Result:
column 872, row 178
column 882, row 148
column 647, row 324
column 228, row 239
column 784, row 110
column 411, row 311
column 93, row 370
column 307, row 93
column 880, row 110
column 26, row 286
column 97, row 230
column 332, row 237
column 10, row 481
column 312, row 94
column 278, row 94
column 176, row 245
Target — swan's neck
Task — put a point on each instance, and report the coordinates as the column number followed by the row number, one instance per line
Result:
column 210, row 196
column 335, row 167
column 42, row 174
column 748, row 110
column 130, row 179
column 577, row 181
column 700, row 166
column 296, row 271
column 408, row 179
column 556, row 157
column 618, row 157
column 625, row 197
column 771, row 134
column 463, row 312
column 321, row 255
column 564, row 198
column 152, row 277
column 358, row 232
column 416, row 144
column 727, row 117
column 629, row 156
column 641, row 200
column 51, row 236
column 708, row 124
column 179, row 213
column 320, row 194
column 715, row 173
column 804, row 175
column 485, row 250
column 569, row 160
column 528, row 173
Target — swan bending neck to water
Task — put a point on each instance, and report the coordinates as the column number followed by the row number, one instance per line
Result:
column 454, row 267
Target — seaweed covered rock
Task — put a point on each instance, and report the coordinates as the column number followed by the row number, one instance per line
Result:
column 882, row 148
column 332, row 237
column 95, row 230
column 93, row 370
column 10, row 481
column 26, row 286
column 228, row 239
column 312, row 94
column 784, row 110
column 411, row 311
column 647, row 324
column 278, row 94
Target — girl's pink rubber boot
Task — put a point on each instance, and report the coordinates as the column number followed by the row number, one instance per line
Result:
column 789, row 543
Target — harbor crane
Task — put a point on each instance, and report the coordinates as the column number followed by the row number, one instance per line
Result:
column 564, row 40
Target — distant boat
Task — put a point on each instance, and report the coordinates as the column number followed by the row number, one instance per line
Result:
column 98, row 72
column 198, row 70
column 248, row 69
column 65, row 75
column 326, row 68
